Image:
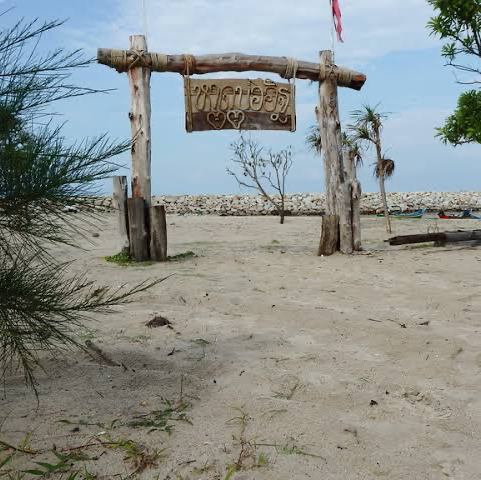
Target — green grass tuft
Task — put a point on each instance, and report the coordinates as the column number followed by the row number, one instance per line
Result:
column 125, row 260
column 181, row 256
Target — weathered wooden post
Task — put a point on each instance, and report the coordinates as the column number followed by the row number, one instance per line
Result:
column 337, row 195
column 120, row 196
column 158, row 234
column 139, row 115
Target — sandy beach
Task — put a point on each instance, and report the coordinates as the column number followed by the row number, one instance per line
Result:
column 277, row 365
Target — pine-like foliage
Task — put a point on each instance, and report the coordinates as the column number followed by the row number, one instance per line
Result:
column 40, row 175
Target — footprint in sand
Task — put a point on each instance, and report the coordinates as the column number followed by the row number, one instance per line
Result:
column 427, row 402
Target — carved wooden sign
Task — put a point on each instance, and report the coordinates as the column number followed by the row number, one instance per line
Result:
column 231, row 104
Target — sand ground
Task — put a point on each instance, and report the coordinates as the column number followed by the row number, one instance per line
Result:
column 291, row 366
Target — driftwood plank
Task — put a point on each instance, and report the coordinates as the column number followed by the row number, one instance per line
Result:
column 239, row 104
column 441, row 237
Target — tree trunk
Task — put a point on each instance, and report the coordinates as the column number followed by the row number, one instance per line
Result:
column 384, row 203
column 356, row 193
column 382, row 180
column 120, row 196
column 158, row 234
column 337, row 195
column 139, row 238
column 355, row 196
column 329, row 235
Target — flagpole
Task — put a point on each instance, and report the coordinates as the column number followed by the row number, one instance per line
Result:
column 143, row 17
column 332, row 33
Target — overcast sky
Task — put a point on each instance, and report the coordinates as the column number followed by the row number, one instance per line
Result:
column 385, row 39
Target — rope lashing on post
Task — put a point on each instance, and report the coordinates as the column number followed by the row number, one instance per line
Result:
column 291, row 73
column 119, row 60
column 291, row 68
column 325, row 71
column 344, row 77
column 139, row 58
column 189, row 66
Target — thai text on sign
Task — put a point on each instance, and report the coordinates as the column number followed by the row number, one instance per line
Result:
column 233, row 104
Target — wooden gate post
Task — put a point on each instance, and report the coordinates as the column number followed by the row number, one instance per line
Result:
column 120, row 197
column 139, row 82
column 337, row 192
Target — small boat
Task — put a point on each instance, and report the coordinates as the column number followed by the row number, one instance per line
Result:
column 466, row 215
column 397, row 213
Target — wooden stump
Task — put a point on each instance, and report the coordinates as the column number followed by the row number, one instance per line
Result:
column 329, row 235
column 120, row 197
column 139, row 238
column 158, row 234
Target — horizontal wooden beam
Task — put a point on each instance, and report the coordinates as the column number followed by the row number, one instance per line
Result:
column 230, row 62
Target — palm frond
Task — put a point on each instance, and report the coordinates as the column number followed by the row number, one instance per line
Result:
column 385, row 168
column 368, row 117
column 314, row 139
column 361, row 133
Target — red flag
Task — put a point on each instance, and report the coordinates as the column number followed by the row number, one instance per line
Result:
column 336, row 16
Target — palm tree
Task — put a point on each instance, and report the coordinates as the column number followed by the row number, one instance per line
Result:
column 367, row 127
column 352, row 146
column 352, row 152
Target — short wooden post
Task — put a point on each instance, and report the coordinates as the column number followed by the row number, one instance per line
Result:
column 329, row 235
column 337, row 193
column 139, row 238
column 120, row 196
column 158, row 234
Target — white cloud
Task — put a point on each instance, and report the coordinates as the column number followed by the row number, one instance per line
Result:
column 372, row 28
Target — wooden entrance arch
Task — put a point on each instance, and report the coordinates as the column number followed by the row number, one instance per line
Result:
column 139, row 63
